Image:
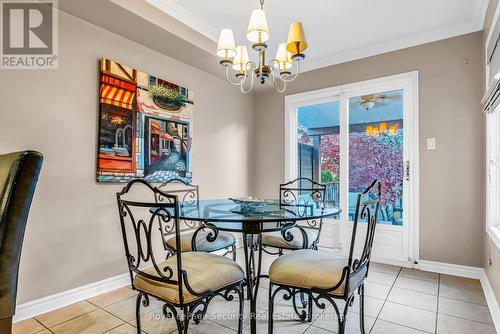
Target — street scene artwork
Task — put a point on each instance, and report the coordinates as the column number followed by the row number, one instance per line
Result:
column 145, row 126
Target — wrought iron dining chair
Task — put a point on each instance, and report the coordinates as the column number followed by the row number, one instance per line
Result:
column 186, row 282
column 324, row 277
column 18, row 178
column 305, row 234
column 194, row 235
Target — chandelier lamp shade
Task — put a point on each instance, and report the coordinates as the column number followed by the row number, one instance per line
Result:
column 236, row 61
column 226, row 47
column 240, row 60
column 258, row 31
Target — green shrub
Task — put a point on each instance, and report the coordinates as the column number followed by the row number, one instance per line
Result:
column 327, row 176
column 165, row 94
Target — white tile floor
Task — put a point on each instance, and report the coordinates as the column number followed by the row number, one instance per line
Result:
column 398, row 300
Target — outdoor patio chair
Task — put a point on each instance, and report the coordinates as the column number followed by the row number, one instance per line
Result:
column 194, row 235
column 324, row 277
column 186, row 282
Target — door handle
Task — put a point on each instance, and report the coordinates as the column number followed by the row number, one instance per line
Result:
column 407, row 170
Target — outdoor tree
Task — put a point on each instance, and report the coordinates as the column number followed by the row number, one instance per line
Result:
column 380, row 158
column 370, row 157
column 330, row 158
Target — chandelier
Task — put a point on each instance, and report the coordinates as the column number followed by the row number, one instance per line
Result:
column 235, row 58
column 372, row 130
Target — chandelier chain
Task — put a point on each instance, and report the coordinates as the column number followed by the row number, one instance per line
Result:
column 261, row 4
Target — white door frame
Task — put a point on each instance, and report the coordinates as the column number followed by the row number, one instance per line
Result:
column 407, row 81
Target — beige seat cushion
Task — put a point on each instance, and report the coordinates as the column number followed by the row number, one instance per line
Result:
column 275, row 239
column 224, row 240
column 205, row 271
column 307, row 268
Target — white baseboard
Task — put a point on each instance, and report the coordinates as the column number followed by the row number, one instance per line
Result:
column 61, row 299
column 450, row 269
column 470, row 272
column 491, row 300
column 377, row 259
column 397, row 263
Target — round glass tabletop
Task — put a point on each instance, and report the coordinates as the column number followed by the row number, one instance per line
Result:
column 227, row 215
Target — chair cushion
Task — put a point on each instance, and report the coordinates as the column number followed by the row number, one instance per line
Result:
column 205, row 271
column 224, row 240
column 308, row 269
column 275, row 239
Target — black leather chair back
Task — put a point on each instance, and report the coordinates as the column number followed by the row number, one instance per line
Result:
column 18, row 177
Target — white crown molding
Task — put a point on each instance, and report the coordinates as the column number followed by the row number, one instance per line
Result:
column 476, row 24
column 183, row 15
column 172, row 8
column 68, row 297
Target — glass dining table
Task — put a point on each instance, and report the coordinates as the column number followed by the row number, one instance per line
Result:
column 225, row 215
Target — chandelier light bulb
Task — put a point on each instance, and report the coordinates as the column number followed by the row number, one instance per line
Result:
column 284, row 58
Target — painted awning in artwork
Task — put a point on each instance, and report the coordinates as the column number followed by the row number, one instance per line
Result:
column 116, row 96
column 166, row 136
column 155, row 128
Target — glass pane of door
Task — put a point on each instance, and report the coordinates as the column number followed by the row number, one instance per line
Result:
column 376, row 151
column 318, row 146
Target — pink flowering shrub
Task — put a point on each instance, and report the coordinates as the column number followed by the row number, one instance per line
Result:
column 370, row 158
column 330, row 158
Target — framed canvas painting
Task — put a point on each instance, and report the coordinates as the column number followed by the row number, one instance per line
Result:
column 145, row 126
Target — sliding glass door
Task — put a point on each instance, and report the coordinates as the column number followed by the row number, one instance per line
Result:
column 318, row 146
column 345, row 137
column 376, row 137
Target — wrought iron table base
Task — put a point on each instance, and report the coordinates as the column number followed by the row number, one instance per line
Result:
column 253, row 267
column 252, row 248
column 222, row 215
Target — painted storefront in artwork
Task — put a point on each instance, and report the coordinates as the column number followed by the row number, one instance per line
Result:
column 145, row 126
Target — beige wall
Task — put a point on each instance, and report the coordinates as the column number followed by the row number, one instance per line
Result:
column 491, row 252
column 451, row 184
column 73, row 237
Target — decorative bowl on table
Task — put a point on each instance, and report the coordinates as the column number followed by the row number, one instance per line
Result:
column 250, row 204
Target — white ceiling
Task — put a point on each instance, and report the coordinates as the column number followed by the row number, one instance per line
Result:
column 337, row 30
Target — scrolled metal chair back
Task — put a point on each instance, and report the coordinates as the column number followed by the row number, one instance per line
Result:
column 145, row 210
column 303, row 192
column 188, row 194
column 367, row 209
